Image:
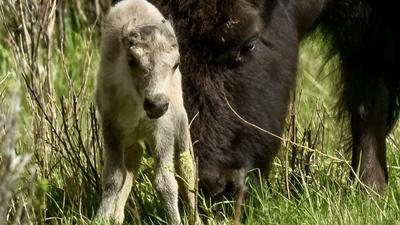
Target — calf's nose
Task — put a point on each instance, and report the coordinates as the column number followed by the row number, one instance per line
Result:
column 156, row 106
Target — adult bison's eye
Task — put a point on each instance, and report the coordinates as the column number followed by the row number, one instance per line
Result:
column 248, row 47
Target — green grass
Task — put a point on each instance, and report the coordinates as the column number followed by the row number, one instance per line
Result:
column 306, row 187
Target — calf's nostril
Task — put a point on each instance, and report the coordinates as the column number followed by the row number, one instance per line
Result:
column 149, row 104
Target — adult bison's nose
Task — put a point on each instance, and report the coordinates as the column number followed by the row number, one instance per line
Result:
column 156, row 106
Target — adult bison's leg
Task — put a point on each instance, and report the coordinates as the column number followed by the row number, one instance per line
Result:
column 366, row 97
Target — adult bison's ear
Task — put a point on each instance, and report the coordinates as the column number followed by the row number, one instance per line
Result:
column 130, row 35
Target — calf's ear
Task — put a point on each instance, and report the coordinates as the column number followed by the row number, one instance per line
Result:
column 170, row 20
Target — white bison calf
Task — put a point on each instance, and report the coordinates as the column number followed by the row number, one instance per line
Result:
column 139, row 98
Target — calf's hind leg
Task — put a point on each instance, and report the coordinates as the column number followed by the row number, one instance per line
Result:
column 367, row 98
column 119, row 168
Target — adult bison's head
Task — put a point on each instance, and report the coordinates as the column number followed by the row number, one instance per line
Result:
column 242, row 52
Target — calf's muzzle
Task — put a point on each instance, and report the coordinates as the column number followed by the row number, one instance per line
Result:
column 156, row 106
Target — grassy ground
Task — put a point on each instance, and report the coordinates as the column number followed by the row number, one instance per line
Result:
column 58, row 129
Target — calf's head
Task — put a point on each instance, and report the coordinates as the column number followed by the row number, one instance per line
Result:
column 152, row 56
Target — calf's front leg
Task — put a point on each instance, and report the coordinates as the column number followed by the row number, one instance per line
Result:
column 120, row 165
column 164, row 179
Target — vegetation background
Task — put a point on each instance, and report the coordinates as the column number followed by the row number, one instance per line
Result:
column 51, row 147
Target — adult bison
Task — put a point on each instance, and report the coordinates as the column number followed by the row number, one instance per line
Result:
column 245, row 52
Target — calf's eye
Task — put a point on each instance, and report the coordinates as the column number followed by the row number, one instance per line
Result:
column 132, row 62
column 175, row 66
